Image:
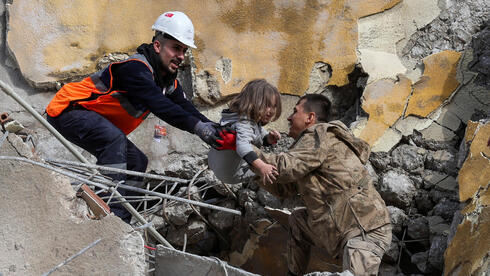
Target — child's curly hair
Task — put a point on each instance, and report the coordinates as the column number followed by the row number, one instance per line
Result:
column 256, row 96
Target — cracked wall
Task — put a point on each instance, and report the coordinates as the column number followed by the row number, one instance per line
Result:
column 279, row 40
column 468, row 253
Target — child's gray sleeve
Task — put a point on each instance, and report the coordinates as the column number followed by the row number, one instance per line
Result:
column 244, row 138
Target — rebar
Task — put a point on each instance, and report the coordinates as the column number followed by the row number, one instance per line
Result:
column 144, row 226
column 128, row 206
column 128, row 172
column 122, row 186
column 72, row 257
column 7, row 89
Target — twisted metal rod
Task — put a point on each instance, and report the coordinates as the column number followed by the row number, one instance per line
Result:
column 128, row 172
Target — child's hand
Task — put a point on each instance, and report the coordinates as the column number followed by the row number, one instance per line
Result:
column 267, row 171
column 273, row 137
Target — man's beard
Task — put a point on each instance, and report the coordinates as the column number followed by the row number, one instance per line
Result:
column 166, row 72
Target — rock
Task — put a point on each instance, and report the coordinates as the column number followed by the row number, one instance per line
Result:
column 254, row 211
column 431, row 144
column 398, row 219
column 417, row 180
column 397, row 189
column 442, row 161
column 418, row 229
column 267, row 199
column 391, row 255
column 437, row 227
column 380, row 160
column 421, row 261
column 457, row 218
column 183, row 165
column 195, row 231
column 436, row 252
column 448, row 184
column 437, row 196
column 423, row 202
column 220, row 219
column 446, row 208
column 431, row 178
column 246, row 195
column 210, row 178
column 410, row 158
column 481, row 53
column 178, row 212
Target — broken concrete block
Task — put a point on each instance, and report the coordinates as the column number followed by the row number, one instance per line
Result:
column 42, row 228
column 172, row 262
column 436, row 85
column 397, row 189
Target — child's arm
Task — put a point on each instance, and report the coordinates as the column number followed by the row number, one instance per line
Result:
column 267, row 172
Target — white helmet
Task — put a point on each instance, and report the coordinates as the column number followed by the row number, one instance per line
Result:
column 178, row 25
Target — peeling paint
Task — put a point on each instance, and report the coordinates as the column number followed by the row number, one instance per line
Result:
column 436, row 85
column 469, row 181
column 384, row 101
column 278, row 40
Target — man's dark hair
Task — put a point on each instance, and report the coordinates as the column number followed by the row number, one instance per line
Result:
column 319, row 104
column 162, row 37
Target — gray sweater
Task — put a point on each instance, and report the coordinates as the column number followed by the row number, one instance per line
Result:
column 233, row 166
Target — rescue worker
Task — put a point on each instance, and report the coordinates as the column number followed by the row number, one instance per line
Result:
column 98, row 112
column 343, row 212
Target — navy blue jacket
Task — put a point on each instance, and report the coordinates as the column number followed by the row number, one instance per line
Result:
column 136, row 79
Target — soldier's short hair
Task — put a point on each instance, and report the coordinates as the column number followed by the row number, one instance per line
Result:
column 319, row 104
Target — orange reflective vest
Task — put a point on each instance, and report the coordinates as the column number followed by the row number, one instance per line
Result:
column 92, row 94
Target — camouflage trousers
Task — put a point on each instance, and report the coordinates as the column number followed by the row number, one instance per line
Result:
column 362, row 254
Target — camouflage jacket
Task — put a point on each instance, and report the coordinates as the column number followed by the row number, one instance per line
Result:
column 325, row 167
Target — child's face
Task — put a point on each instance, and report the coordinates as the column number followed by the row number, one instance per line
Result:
column 268, row 115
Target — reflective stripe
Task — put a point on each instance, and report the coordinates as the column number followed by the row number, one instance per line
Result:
column 142, row 58
column 124, row 102
column 170, row 89
column 99, row 84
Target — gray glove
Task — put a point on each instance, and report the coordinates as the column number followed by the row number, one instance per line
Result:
column 208, row 133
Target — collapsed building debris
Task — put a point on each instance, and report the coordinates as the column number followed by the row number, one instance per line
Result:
column 416, row 163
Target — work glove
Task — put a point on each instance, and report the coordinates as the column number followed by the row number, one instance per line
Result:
column 218, row 137
column 208, row 133
column 228, row 138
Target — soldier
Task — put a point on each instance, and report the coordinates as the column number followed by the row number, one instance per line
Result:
column 343, row 212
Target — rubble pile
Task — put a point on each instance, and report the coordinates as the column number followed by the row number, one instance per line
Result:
column 417, row 180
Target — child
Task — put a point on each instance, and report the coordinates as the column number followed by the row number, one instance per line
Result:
column 258, row 103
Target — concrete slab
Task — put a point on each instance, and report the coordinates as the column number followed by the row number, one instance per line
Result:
column 172, row 262
column 43, row 224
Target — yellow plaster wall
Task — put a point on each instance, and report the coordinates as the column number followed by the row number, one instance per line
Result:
column 475, row 172
column 436, row 85
column 384, row 101
column 279, row 40
column 469, row 247
column 471, row 244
